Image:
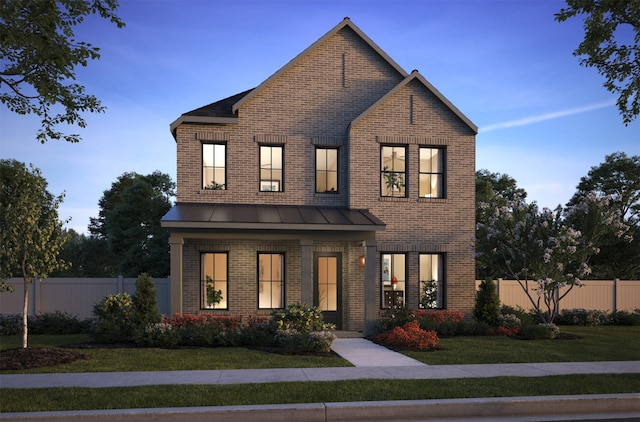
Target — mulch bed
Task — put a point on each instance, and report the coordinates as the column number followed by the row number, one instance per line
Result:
column 37, row 357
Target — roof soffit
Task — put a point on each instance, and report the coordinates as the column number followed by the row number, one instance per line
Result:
column 346, row 22
column 415, row 75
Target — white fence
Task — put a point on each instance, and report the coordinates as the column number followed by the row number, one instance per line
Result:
column 75, row 295
column 603, row 295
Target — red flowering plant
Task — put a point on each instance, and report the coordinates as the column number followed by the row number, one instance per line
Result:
column 508, row 325
column 444, row 322
column 211, row 330
column 409, row 336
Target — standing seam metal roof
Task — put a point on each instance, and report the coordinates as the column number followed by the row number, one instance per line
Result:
column 257, row 216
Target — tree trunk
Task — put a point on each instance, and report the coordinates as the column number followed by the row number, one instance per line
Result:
column 25, row 310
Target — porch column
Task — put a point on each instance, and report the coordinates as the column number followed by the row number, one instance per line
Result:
column 175, row 243
column 306, row 265
column 370, row 291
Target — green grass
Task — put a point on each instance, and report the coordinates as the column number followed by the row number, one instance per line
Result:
column 52, row 399
column 153, row 359
column 603, row 343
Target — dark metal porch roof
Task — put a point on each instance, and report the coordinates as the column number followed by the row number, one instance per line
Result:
column 270, row 217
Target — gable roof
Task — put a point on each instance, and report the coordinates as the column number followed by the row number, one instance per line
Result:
column 415, row 75
column 346, row 22
column 218, row 112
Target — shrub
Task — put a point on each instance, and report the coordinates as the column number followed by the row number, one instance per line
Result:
column 487, row 306
column 625, row 318
column 114, row 320
column 525, row 317
column 299, row 317
column 145, row 302
column 444, row 322
column 393, row 317
column 585, row 317
column 295, row 342
column 213, row 330
column 57, row 323
column 257, row 333
column 409, row 336
column 206, row 330
column 158, row 334
column 508, row 325
column 10, row 324
column 539, row 331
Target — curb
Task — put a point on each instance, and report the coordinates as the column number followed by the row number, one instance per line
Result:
column 622, row 406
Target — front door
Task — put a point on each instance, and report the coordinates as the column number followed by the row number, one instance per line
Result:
column 328, row 297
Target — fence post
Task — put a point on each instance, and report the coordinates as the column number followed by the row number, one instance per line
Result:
column 498, row 288
column 615, row 295
column 120, row 286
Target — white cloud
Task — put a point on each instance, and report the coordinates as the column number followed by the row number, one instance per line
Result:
column 546, row 116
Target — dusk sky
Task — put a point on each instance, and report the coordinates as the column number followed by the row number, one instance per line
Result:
column 507, row 65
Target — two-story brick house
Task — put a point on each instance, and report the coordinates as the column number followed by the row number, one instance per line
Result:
column 341, row 181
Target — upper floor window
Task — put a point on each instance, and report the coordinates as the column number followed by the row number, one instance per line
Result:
column 392, row 171
column 270, row 280
column 214, row 158
column 394, row 277
column 326, row 170
column 431, row 172
column 214, row 283
column 432, row 281
column 271, row 168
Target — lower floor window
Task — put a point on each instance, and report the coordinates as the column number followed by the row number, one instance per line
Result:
column 214, row 284
column 393, row 280
column 432, row 281
column 270, row 280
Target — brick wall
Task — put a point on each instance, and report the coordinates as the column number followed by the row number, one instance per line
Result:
column 312, row 103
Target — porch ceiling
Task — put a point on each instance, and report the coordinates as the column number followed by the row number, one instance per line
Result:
column 270, row 217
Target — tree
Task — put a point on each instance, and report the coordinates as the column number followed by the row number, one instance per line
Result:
column 31, row 235
column 129, row 223
column 497, row 189
column 603, row 48
column 487, row 306
column 145, row 302
column 39, row 53
column 538, row 249
column 616, row 181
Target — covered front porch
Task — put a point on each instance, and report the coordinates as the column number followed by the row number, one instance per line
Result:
column 308, row 239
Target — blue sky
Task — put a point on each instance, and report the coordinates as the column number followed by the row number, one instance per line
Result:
column 507, row 65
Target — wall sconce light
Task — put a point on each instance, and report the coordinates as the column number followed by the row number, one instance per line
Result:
column 361, row 261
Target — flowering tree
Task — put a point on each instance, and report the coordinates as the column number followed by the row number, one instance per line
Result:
column 538, row 249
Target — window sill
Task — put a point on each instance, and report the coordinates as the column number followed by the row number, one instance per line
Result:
column 394, row 199
column 212, row 192
column 433, row 200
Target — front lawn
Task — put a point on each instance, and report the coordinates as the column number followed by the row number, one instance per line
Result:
column 601, row 343
column 124, row 359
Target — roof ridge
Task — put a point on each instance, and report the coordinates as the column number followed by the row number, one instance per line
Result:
column 346, row 22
